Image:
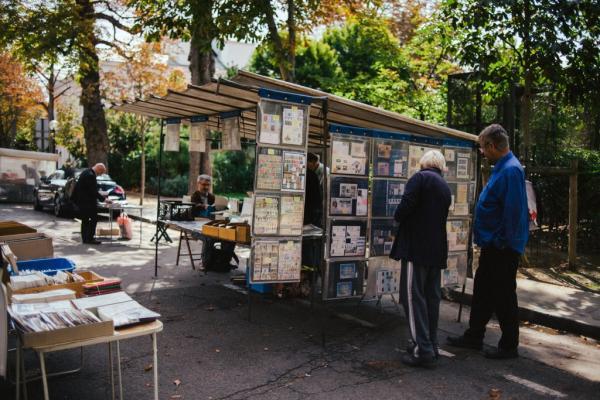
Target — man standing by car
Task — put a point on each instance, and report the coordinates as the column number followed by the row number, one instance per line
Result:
column 501, row 229
column 85, row 197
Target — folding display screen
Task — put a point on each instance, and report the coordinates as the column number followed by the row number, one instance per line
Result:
column 462, row 198
column 282, row 123
column 344, row 279
column 349, row 155
column 390, row 158
column 456, row 271
column 348, row 196
column 459, row 162
column 347, row 238
column 383, row 232
column 387, row 194
column 269, row 168
column 458, row 234
column 415, row 152
column 276, row 261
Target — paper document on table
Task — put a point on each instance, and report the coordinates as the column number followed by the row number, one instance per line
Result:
column 127, row 313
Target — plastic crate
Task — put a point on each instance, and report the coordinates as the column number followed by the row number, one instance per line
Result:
column 49, row 266
column 174, row 210
column 258, row 287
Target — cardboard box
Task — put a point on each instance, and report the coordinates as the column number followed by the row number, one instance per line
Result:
column 212, row 228
column 14, row 228
column 27, row 246
column 236, row 232
column 65, row 335
column 77, row 287
column 107, row 232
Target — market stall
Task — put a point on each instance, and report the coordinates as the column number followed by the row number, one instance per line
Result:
column 370, row 153
column 54, row 305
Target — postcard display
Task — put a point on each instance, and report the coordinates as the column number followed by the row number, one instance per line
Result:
column 460, row 160
column 282, row 132
column 347, row 212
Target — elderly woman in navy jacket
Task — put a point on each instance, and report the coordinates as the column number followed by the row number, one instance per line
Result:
column 422, row 248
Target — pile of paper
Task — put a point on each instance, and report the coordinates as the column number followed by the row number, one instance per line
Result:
column 44, row 297
column 118, row 307
column 40, row 317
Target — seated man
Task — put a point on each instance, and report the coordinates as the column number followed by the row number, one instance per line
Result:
column 202, row 198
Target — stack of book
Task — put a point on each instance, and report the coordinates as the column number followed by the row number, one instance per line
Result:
column 106, row 286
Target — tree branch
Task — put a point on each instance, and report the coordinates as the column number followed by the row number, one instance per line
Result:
column 114, row 21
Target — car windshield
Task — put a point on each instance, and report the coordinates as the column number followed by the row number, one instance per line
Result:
column 103, row 177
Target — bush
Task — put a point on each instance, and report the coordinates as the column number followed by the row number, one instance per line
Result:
column 171, row 187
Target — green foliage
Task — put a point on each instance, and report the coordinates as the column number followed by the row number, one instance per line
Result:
column 317, row 65
column 233, row 171
column 70, row 132
column 363, row 61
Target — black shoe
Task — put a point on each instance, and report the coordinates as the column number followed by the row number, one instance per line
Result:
column 501, row 354
column 463, row 342
column 93, row 242
column 421, row 361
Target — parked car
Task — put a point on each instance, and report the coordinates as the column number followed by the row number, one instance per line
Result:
column 54, row 192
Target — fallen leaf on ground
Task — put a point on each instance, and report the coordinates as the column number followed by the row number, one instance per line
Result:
column 266, row 349
column 209, row 307
column 495, row 393
column 148, row 367
column 177, row 382
column 217, row 350
column 176, row 396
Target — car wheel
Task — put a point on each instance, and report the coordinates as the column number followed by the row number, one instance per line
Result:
column 58, row 208
column 36, row 204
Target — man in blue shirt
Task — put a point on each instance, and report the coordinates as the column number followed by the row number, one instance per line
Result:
column 500, row 230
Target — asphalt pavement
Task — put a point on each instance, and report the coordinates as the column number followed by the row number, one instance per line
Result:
column 288, row 350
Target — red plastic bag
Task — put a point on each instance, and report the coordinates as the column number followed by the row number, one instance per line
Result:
column 125, row 226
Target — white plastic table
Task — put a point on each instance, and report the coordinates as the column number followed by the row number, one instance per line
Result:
column 151, row 328
column 122, row 207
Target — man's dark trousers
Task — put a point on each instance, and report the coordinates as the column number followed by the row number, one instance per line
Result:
column 494, row 291
column 89, row 219
column 420, row 295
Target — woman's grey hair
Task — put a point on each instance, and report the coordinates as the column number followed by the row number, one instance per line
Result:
column 204, row 177
column 433, row 159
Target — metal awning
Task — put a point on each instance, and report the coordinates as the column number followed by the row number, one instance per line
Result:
column 241, row 94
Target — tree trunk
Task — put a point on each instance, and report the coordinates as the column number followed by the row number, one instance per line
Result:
column 280, row 53
column 291, row 22
column 526, row 100
column 94, row 119
column 202, row 69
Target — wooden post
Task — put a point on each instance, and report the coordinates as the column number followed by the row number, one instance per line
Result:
column 573, row 214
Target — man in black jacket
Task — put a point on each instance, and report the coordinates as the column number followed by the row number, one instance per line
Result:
column 85, row 197
column 422, row 247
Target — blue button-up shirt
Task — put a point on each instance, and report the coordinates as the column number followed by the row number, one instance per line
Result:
column 502, row 217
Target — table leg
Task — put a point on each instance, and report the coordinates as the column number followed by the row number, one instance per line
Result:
column 141, row 225
column 179, row 248
column 187, row 242
column 112, row 377
column 18, row 372
column 44, row 378
column 119, row 371
column 155, row 365
column 23, row 376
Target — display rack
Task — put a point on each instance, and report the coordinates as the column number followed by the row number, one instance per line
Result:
column 347, row 214
column 279, row 184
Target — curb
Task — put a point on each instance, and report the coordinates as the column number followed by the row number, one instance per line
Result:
column 533, row 316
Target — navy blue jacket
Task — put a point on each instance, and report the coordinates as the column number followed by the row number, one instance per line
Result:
column 85, row 193
column 421, row 215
